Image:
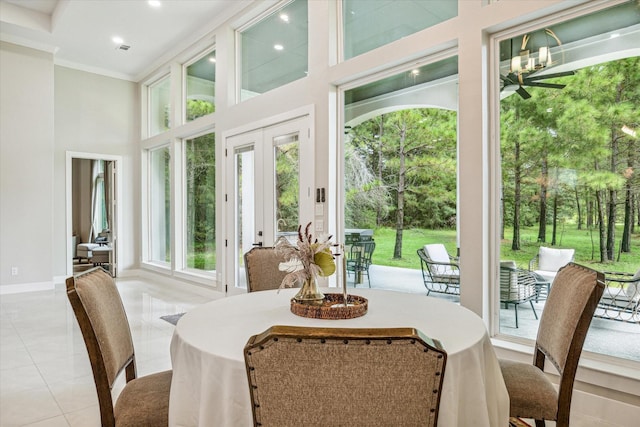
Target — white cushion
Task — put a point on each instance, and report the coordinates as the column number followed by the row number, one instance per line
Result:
column 550, row 259
column 438, row 253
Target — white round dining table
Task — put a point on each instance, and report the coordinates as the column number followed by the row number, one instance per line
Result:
column 210, row 387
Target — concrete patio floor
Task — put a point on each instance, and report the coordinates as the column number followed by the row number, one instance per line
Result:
column 610, row 337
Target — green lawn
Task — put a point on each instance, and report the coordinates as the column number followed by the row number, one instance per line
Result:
column 581, row 240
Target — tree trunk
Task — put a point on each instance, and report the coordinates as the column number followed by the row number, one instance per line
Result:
column 578, row 207
column 625, row 244
column 611, row 205
column 517, row 194
column 380, row 162
column 601, row 225
column 544, row 179
column 555, row 219
column 397, row 250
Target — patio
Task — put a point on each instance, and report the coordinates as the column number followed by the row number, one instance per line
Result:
column 610, row 337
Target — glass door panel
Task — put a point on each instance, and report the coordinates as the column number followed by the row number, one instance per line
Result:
column 267, row 192
column 244, row 160
column 286, row 153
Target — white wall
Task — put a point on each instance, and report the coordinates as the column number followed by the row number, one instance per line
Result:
column 26, row 169
column 101, row 115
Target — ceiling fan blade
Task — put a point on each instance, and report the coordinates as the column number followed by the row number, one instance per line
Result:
column 550, row 76
column 547, row 85
column 523, row 93
column 508, row 80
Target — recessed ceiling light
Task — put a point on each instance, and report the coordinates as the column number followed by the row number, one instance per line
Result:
column 284, row 17
column 415, row 72
column 154, row 3
column 117, row 40
column 278, row 47
column 212, row 59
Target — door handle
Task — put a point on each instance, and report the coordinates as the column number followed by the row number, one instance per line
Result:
column 257, row 244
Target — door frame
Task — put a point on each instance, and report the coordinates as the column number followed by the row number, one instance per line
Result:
column 70, row 155
column 227, row 212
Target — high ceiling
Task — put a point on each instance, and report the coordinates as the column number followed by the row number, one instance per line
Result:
column 80, row 32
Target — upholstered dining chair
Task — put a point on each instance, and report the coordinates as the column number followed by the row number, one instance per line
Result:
column 144, row 401
column 564, row 323
column 262, row 269
column 341, row 376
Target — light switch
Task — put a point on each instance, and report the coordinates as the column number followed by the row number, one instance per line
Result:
column 319, row 209
column 319, row 225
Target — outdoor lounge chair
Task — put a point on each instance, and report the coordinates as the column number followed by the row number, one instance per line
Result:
column 546, row 265
column 440, row 271
column 517, row 286
column 621, row 297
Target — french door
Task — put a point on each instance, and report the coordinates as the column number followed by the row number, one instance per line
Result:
column 270, row 174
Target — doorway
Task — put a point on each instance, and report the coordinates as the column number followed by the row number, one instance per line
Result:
column 269, row 180
column 92, row 214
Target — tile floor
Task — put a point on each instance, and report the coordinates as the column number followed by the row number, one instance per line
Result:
column 45, row 375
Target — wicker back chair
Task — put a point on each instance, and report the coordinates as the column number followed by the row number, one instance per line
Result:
column 517, row 286
column 103, row 322
column 332, row 376
column 262, row 267
column 563, row 327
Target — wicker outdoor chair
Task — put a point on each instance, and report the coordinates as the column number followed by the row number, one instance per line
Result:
column 517, row 287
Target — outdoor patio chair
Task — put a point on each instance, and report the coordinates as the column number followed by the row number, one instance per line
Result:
column 563, row 327
column 621, row 297
column 359, row 260
column 262, row 269
column 103, row 322
column 440, row 271
column 316, row 376
column 517, row 286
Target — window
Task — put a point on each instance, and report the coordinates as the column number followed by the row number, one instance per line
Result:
column 160, row 206
column 159, row 106
column 200, row 87
column 400, row 164
column 274, row 51
column 371, row 24
column 569, row 173
column 200, row 209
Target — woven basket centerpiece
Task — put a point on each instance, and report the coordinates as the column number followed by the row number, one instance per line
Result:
column 332, row 307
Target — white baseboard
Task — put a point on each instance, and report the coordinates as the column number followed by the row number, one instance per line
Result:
column 26, row 287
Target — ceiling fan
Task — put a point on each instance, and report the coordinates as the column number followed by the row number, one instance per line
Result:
column 520, row 79
column 524, row 66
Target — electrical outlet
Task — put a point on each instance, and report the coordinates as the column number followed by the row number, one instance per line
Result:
column 14, row 271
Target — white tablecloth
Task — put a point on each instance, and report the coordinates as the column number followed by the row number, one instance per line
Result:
column 210, row 387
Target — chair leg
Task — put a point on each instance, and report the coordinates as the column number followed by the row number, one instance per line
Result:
column 515, row 306
column 540, row 423
column 368, row 278
column 534, row 309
